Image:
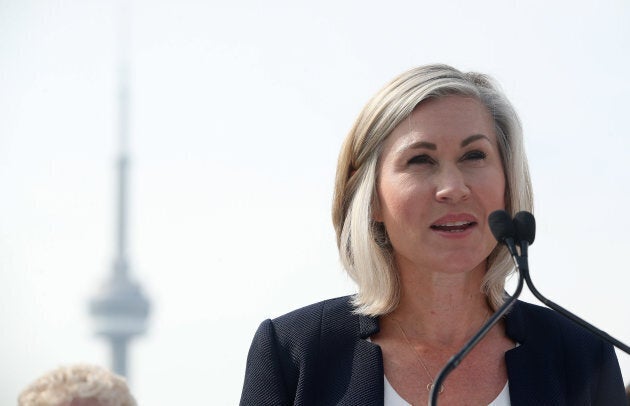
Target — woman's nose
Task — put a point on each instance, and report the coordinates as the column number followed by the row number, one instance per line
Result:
column 451, row 186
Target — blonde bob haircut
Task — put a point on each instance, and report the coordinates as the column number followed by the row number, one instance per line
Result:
column 365, row 251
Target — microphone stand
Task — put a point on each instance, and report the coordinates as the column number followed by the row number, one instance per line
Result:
column 522, row 266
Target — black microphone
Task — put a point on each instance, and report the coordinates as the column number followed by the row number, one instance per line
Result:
column 504, row 231
column 525, row 226
column 502, row 227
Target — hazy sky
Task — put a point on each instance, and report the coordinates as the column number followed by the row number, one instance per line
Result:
column 238, row 113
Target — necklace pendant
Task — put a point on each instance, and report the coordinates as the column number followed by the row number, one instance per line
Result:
column 431, row 385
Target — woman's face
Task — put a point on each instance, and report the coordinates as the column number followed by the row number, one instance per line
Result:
column 439, row 177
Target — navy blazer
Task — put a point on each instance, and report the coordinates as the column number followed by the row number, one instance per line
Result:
column 319, row 355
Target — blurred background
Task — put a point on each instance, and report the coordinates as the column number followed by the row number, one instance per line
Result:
column 237, row 111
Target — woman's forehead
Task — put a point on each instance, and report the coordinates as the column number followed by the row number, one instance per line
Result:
column 449, row 119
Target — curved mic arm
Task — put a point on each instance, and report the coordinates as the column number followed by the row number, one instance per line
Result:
column 605, row 336
column 457, row 358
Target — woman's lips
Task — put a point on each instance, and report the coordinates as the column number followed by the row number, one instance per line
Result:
column 454, row 223
column 454, row 226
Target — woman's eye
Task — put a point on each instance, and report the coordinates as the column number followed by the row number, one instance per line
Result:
column 474, row 155
column 421, row 159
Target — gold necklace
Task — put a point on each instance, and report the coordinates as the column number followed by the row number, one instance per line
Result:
column 431, row 384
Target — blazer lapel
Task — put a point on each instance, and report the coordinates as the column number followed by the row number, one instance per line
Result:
column 351, row 369
column 366, row 382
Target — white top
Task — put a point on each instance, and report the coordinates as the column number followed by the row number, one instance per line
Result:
column 392, row 398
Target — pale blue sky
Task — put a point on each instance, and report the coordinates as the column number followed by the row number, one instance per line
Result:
column 238, row 113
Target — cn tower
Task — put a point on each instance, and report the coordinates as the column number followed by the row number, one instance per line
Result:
column 120, row 310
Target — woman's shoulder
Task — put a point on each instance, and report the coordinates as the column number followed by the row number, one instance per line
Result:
column 538, row 324
column 551, row 341
column 307, row 349
column 543, row 316
column 332, row 318
column 330, row 312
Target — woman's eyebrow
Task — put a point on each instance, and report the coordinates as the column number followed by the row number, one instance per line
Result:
column 421, row 144
column 433, row 147
column 472, row 138
column 429, row 145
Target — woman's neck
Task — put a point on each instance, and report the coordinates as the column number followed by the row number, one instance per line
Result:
column 441, row 309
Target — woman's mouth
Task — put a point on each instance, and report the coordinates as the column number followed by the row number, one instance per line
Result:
column 454, row 226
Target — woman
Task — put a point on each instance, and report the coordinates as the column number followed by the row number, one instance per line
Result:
column 428, row 159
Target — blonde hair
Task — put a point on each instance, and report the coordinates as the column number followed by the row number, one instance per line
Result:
column 61, row 386
column 363, row 245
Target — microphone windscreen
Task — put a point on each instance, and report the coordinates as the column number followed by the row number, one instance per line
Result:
column 501, row 225
column 525, row 225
